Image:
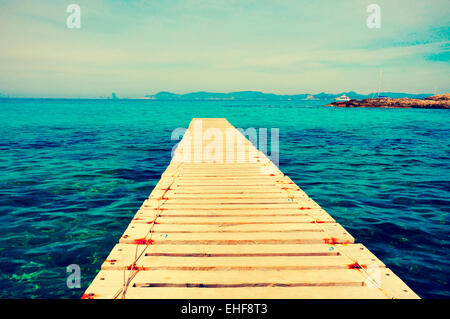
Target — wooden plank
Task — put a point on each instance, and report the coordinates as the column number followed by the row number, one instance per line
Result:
column 216, row 257
column 200, row 228
column 333, row 284
column 224, row 213
column 236, row 263
column 352, row 289
column 221, row 200
column 304, row 250
column 261, row 219
column 236, row 238
column 108, row 292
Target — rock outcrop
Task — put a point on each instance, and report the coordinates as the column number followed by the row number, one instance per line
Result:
column 442, row 97
column 433, row 102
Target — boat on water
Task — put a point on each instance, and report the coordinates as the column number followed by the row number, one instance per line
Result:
column 342, row 98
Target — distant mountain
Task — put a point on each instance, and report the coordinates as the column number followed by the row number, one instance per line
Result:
column 256, row 95
column 165, row 96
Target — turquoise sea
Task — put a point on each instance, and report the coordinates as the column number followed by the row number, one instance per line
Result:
column 74, row 172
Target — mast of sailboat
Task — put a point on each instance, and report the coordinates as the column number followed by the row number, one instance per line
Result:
column 379, row 83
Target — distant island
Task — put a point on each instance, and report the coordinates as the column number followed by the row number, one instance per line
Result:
column 256, row 95
column 432, row 102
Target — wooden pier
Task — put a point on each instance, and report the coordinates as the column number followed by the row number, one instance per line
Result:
column 225, row 222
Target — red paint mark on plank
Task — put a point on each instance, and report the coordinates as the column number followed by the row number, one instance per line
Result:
column 331, row 241
column 143, row 241
column 355, row 265
column 138, row 268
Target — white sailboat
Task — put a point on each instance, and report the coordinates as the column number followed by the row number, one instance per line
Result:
column 342, row 98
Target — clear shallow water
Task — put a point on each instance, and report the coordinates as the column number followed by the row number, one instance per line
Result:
column 74, row 172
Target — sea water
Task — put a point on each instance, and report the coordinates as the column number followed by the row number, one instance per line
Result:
column 74, row 172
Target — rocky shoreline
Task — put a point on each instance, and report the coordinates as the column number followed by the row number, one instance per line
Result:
column 433, row 102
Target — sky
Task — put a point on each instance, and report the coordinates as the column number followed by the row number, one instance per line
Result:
column 135, row 48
